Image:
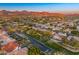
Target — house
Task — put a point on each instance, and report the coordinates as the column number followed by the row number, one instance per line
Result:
column 76, row 38
column 4, row 38
column 69, row 38
column 62, row 34
column 77, row 28
column 22, row 51
column 56, row 36
column 9, row 47
column 7, row 44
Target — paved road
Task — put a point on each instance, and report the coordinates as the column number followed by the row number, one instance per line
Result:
column 68, row 47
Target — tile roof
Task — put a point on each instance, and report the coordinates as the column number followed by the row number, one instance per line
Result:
column 10, row 46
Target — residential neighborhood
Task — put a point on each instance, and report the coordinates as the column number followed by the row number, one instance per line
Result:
column 48, row 30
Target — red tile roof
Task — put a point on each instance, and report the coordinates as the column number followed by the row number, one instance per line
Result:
column 10, row 46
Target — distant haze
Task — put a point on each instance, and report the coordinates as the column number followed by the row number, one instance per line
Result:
column 48, row 7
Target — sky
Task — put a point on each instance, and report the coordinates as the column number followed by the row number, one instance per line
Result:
column 49, row 7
